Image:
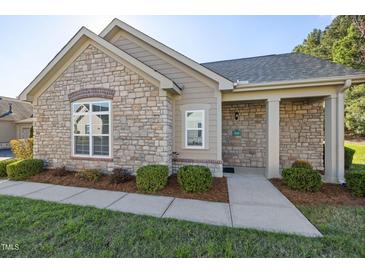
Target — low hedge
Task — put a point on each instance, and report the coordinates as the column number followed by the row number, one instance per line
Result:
column 349, row 155
column 302, row 164
column 195, row 178
column 23, row 169
column 355, row 179
column 152, row 178
column 3, row 165
column 302, row 179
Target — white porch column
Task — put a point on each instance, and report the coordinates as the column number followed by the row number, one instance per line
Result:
column 340, row 138
column 331, row 139
column 273, row 138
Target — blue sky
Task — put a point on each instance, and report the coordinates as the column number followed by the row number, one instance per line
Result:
column 28, row 43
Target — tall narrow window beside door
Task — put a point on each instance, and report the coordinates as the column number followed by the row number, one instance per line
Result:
column 194, row 129
column 91, row 128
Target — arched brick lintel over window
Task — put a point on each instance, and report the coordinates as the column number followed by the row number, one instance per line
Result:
column 91, row 92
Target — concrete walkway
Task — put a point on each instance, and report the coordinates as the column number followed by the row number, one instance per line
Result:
column 254, row 203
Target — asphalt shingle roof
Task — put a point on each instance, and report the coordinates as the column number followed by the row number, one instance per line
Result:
column 278, row 67
column 21, row 110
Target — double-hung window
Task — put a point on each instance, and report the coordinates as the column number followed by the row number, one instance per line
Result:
column 91, row 128
column 194, row 128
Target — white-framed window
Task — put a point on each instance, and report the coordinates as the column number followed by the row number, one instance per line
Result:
column 194, row 129
column 91, row 129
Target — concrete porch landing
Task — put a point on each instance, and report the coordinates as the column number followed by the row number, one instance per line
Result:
column 254, row 203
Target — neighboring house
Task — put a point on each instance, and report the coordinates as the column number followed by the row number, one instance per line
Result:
column 15, row 120
column 123, row 99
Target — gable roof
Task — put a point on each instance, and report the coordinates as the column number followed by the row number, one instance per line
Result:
column 85, row 33
column 224, row 83
column 280, row 68
column 20, row 109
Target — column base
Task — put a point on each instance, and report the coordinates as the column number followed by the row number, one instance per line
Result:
column 271, row 174
column 332, row 180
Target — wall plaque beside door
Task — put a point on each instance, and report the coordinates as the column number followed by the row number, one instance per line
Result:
column 236, row 133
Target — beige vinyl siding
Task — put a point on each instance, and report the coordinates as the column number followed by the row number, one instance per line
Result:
column 197, row 89
column 8, row 131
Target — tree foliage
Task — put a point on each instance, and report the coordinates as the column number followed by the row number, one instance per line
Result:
column 355, row 110
column 360, row 25
column 346, row 50
column 312, row 44
column 343, row 42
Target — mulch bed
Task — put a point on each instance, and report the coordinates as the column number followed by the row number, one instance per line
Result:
column 354, row 139
column 329, row 194
column 218, row 192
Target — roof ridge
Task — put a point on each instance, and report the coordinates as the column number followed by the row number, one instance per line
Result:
column 251, row 57
column 332, row 62
column 5, row 98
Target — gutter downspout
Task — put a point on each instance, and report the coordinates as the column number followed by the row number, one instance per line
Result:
column 341, row 132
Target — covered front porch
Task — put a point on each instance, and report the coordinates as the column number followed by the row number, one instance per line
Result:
column 264, row 132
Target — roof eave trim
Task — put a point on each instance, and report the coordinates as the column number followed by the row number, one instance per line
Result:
column 325, row 81
column 224, row 83
column 27, row 120
column 165, row 83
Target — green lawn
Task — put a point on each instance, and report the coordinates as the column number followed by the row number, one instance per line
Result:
column 44, row 229
column 359, row 156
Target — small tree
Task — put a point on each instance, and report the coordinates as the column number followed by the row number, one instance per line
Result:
column 22, row 148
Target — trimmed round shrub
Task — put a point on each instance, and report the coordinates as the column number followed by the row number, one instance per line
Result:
column 355, row 179
column 152, row 178
column 349, row 155
column 302, row 179
column 91, row 175
column 302, row 164
column 24, row 169
column 3, row 165
column 195, row 178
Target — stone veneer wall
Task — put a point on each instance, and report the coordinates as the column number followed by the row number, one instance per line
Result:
column 247, row 150
column 301, row 132
column 141, row 116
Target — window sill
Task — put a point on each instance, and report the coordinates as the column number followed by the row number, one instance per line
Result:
column 195, row 148
column 106, row 159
